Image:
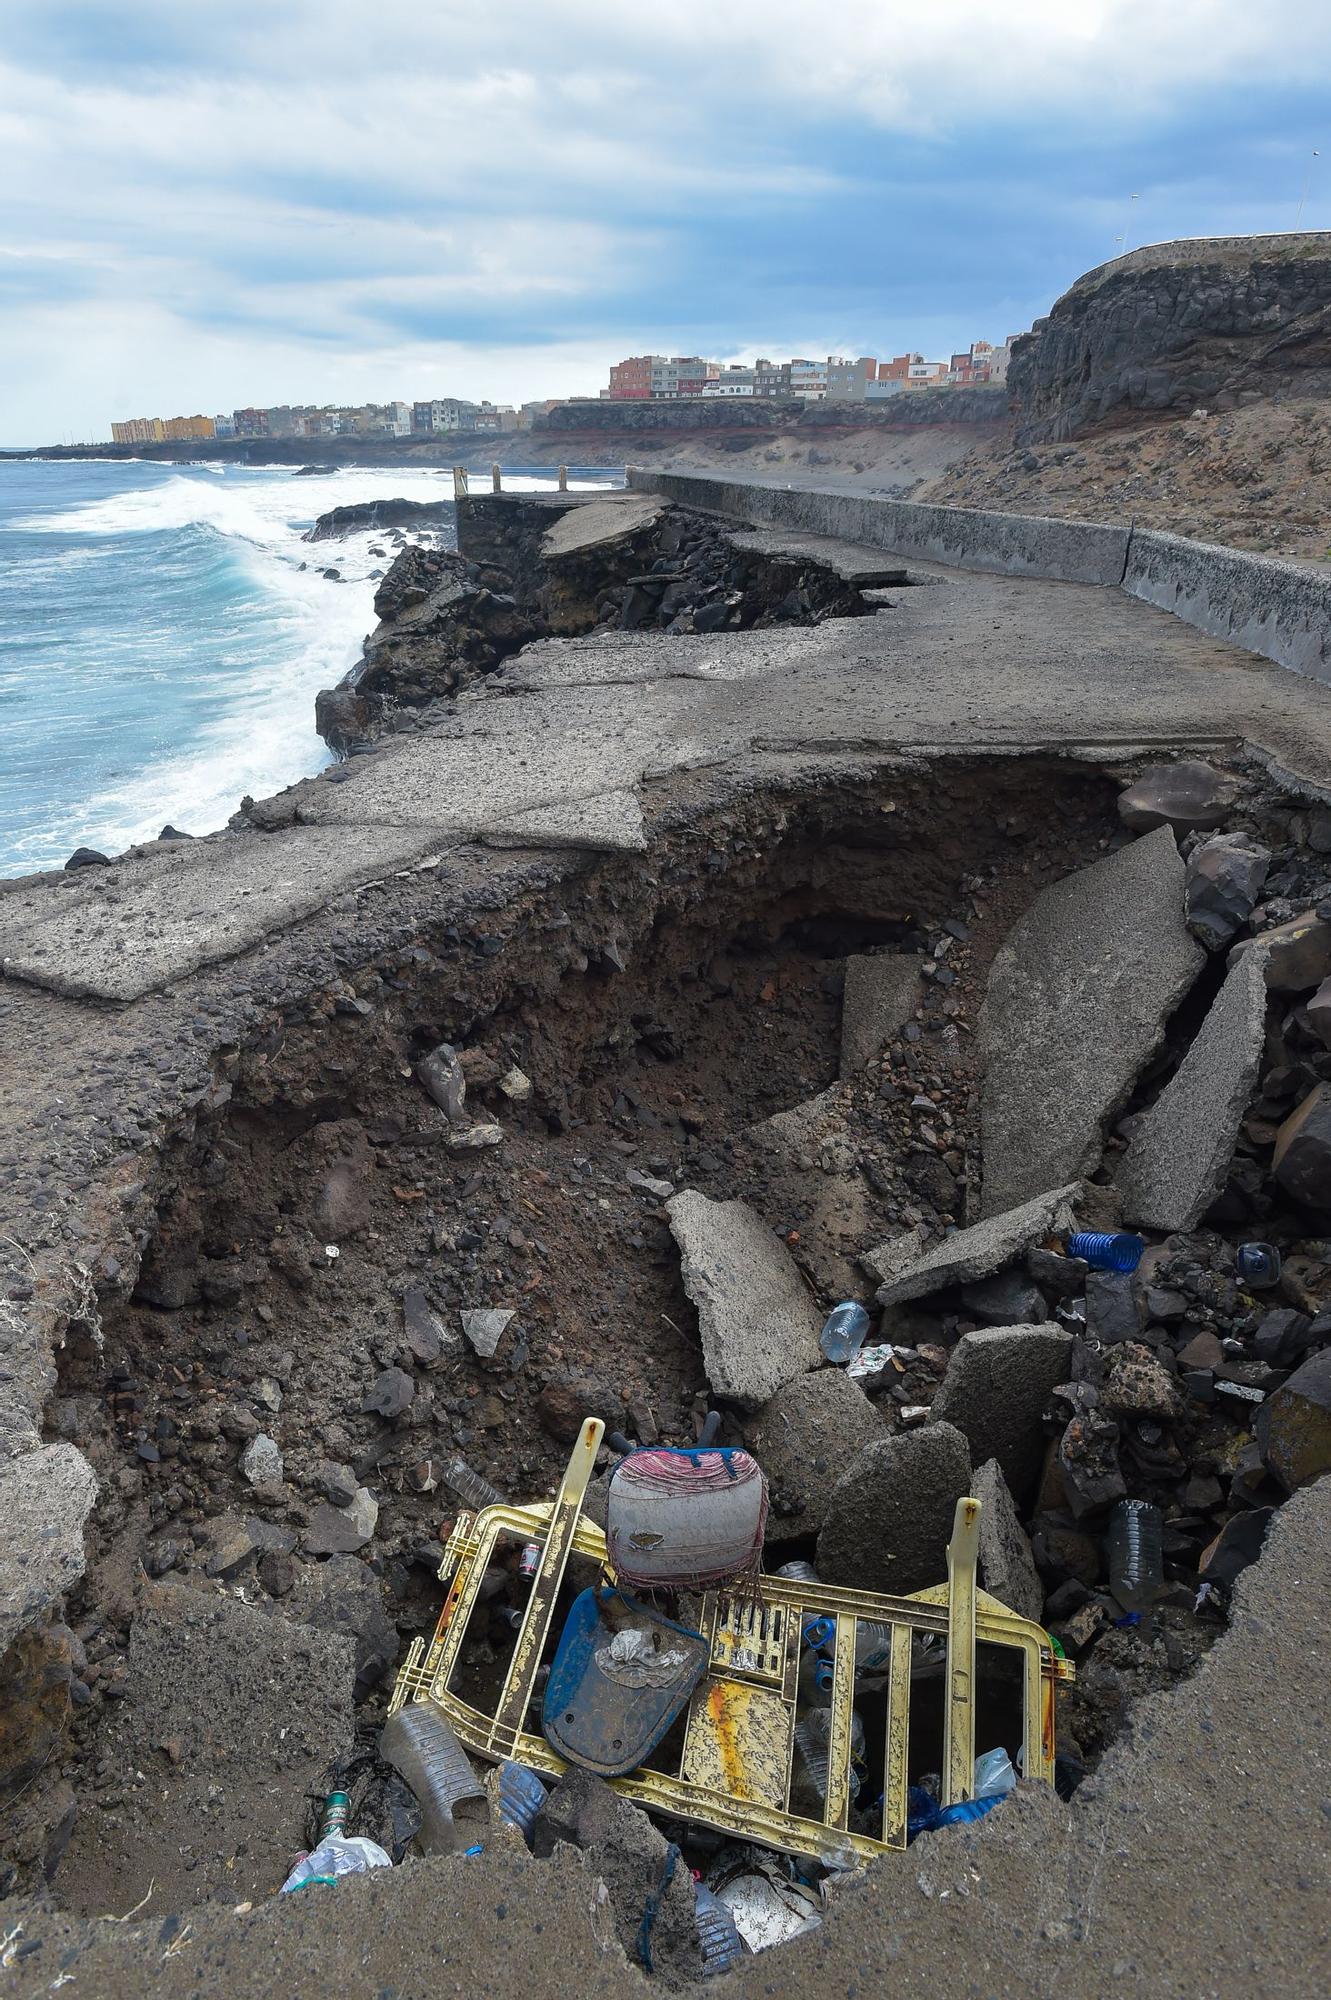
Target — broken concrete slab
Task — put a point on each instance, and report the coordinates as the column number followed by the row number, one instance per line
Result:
column 879, row 998
column 45, row 1498
column 633, row 1860
column 236, row 1716
column 132, row 928
column 605, row 519
column 1179, row 1155
column 890, row 1516
column 1189, row 796
column 1007, row 1567
column 608, row 824
column 804, row 1439
column 759, row 1325
column 996, row 1386
column 1078, row 999
column 344, row 1596
column 971, row 1253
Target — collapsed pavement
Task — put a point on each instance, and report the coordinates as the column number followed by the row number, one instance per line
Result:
column 314, row 1134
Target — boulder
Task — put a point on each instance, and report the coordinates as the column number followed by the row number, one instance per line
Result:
column 972, row 1253
column 758, row 1323
column 1297, row 955
column 1223, row 881
column 1009, row 1299
column 1179, row 1156
column 804, row 1438
column 344, row 1596
column 1137, row 1385
column 1007, row 1567
column 1112, row 1312
column 1078, row 999
column 890, row 1516
column 634, row 1862
column 1294, row 1425
column 45, row 1498
column 878, row 999
column 1190, row 797
column 995, row 1390
column 1302, row 1158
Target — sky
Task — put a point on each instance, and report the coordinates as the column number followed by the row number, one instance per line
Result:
column 210, row 203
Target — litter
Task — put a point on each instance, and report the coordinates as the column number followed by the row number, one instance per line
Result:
column 730, row 1761
column 722, row 1945
column 685, row 1519
column 423, row 1750
column 843, row 1331
column 335, row 1853
column 620, row 1677
column 1104, row 1251
column 767, row 1902
column 1132, row 1548
column 521, row 1796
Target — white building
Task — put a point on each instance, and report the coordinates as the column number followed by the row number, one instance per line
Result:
column 808, row 379
column 224, row 427
column 731, row 382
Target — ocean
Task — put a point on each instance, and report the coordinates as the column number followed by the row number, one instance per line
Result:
column 163, row 633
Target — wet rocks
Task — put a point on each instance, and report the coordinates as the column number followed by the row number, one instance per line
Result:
column 1294, row 1425
column 890, row 1516
column 1179, row 1155
column 759, row 1326
column 1187, row 797
column 877, row 1001
column 1007, row 1567
column 804, row 1438
column 1078, row 998
column 995, row 1390
column 1302, row 1157
column 1223, row 881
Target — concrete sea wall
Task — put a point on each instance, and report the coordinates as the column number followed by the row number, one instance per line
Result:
column 1276, row 609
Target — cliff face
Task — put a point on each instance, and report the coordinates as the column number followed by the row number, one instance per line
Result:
column 771, row 413
column 1214, row 323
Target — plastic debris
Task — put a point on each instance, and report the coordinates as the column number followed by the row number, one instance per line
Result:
column 722, row 1945
column 521, row 1796
column 1259, row 1265
column 843, row 1331
column 1104, row 1251
column 423, row 1750
column 333, row 1858
column 685, row 1519
column 767, row 1901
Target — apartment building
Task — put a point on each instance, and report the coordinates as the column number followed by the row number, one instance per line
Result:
column 139, row 430
column 443, row 413
column 808, row 379
column 771, row 378
column 661, row 376
column 732, row 381
column 848, row 381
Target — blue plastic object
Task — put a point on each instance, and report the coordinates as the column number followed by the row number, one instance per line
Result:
column 1106, row 1252
column 722, row 1945
column 620, row 1676
column 843, row 1331
column 521, row 1796
column 1259, row 1265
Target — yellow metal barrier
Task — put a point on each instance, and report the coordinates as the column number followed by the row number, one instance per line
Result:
column 735, row 1766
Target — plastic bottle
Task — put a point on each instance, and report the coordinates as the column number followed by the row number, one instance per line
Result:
column 812, row 1734
column 843, row 1331
column 994, row 1775
column 332, row 1859
column 1259, row 1265
column 798, row 1572
column 469, row 1486
column 722, row 1945
column 1136, row 1570
column 521, row 1796
column 423, row 1750
column 1104, row 1252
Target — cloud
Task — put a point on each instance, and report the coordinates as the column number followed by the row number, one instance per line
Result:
column 259, row 188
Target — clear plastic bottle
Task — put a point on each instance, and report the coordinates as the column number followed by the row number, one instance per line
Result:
column 1132, row 1545
column 423, row 1750
column 1258, row 1265
column 798, row 1572
column 812, row 1735
column 521, row 1796
column 722, row 1945
column 843, row 1331
column 470, row 1486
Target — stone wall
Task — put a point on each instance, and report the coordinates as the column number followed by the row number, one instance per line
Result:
column 772, row 413
column 1179, row 326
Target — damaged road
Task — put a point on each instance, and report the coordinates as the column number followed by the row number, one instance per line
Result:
column 270, row 1283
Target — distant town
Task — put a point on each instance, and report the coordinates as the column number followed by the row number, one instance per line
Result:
column 639, row 378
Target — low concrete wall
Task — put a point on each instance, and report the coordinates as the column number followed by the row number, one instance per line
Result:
column 1281, row 610
column 962, row 537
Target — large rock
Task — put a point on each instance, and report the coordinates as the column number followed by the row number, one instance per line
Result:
column 804, row 1439
column 1224, row 879
column 1189, row 797
column 1297, row 955
column 890, row 1517
column 759, row 1326
column 344, row 1596
column 1294, row 1425
column 1077, row 1004
column 1180, row 1153
column 994, row 1392
column 633, row 1861
column 878, row 1000
column 973, row 1253
column 45, row 1498
column 1302, row 1157
column 1007, row 1567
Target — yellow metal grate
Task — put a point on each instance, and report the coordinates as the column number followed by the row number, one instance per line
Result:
column 735, row 1768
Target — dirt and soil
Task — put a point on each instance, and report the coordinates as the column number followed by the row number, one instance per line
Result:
column 1254, row 478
